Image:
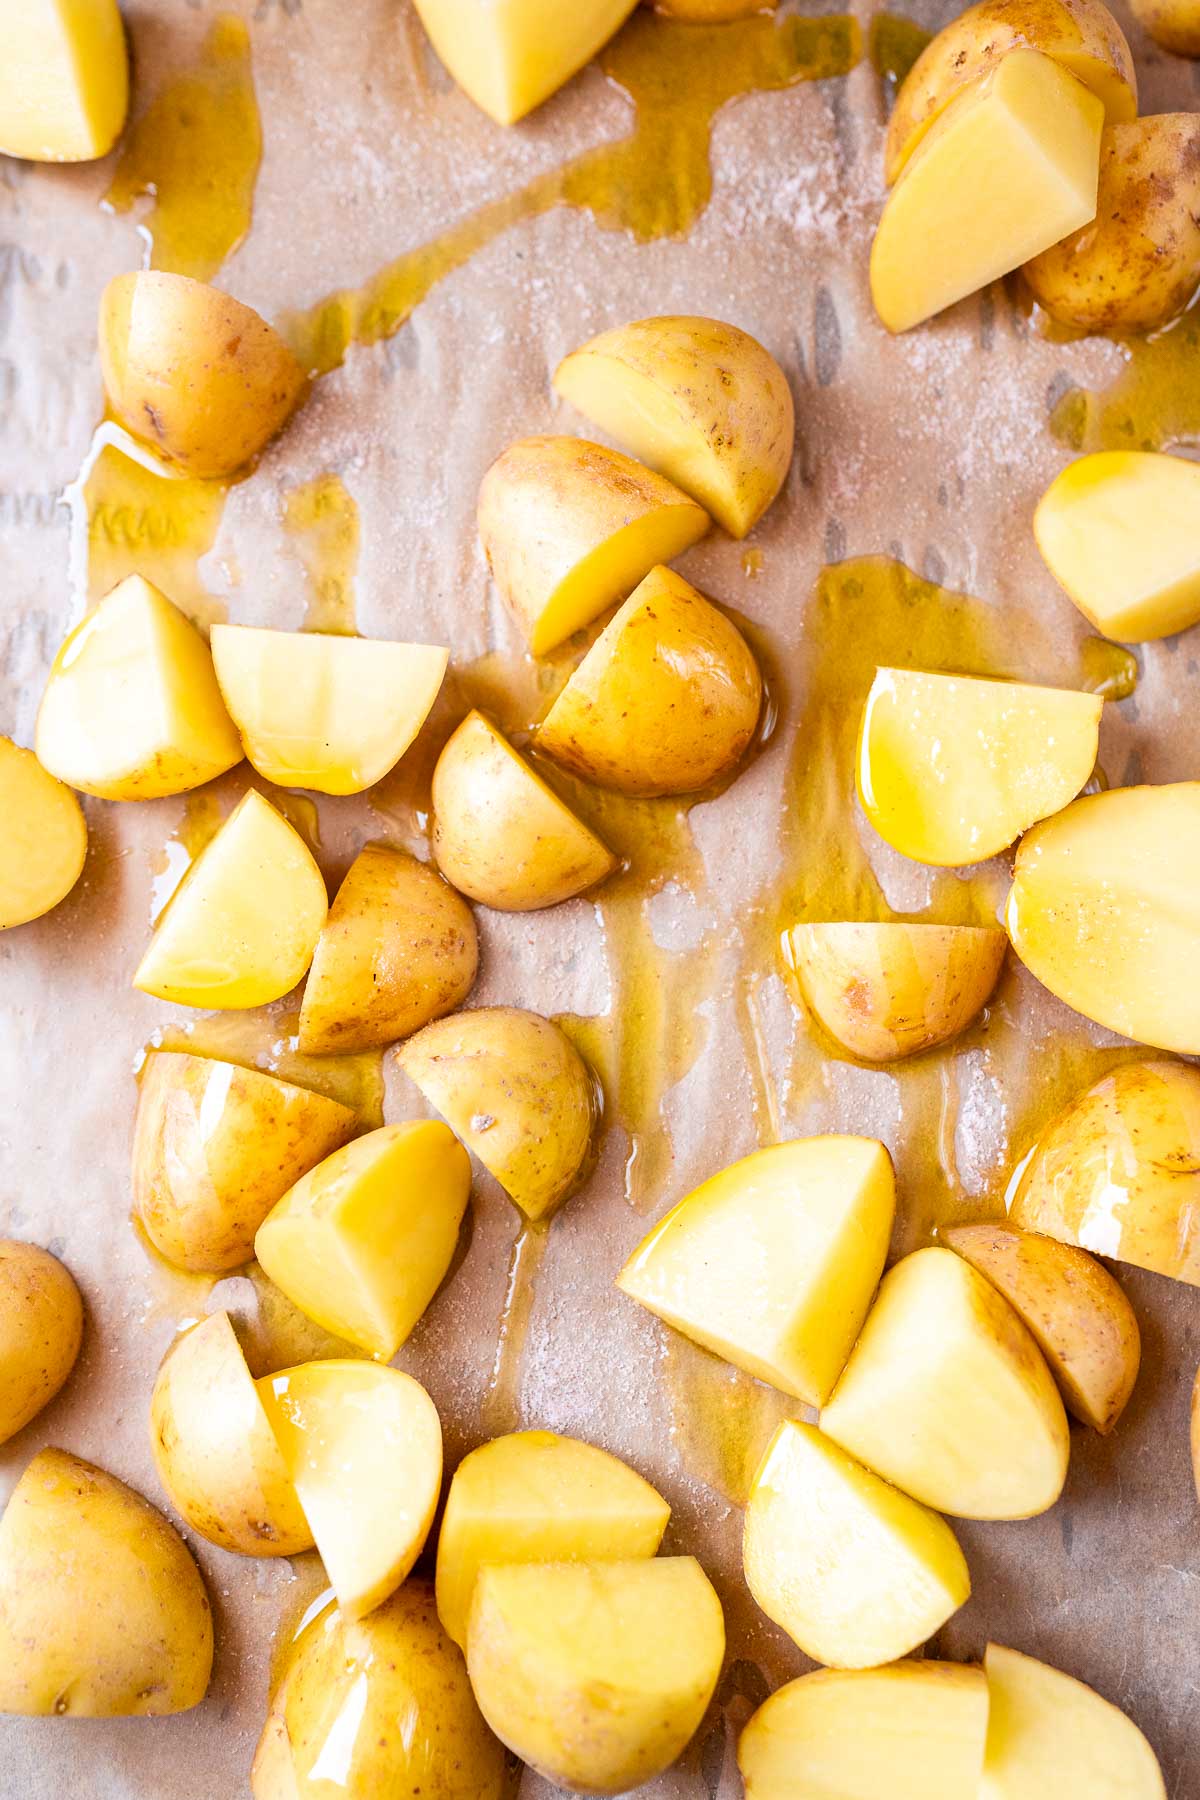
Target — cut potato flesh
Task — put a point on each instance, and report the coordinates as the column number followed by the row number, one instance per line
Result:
column 1012, row 165
column 362, row 1242
column 1105, row 910
column 1050, row 1736
column 535, row 1497
column 948, row 1396
column 952, row 768
column 511, row 56
column 64, row 79
column 329, row 713
column 43, row 838
column 132, row 710
column 913, row 1731
column 241, row 928
column 363, row 1446
column 1118, row 532
column 773, row 1262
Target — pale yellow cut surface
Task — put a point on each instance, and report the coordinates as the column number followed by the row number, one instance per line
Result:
column 856, row 1573
column 329, row 713
column 363, row 1446
column 772, row 1263
column 132, row 710
column 533, row 1496
column 1105, row 910
column 1011, row 166
column 1118, row 532
column 947, row 1395
column 510, row 55
column 241, row 928
column 953, row 768
column 362, row 1242
column 912, row 1731
column 64, row 79
column 43, row 838
column 1049, row 1734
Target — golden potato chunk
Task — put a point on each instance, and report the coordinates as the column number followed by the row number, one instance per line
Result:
column 1175, row 24
column 890, row 990
column 192, row 372
column 41, row 1329
column 665, row 701
column 570, row 528
column 103, row 1612
column 64, row 79
column 510, row 58
column 43, row 838
column 698, row 400
column 1048, row 1734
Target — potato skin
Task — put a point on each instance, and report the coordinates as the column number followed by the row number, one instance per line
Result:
column 214, row 1147
column 41, row 1329
column 1137, row 265
column 399, row 949
column 1175, row 24
column 1079, row 1316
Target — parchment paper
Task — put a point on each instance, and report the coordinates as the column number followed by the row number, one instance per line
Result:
column 933, row 447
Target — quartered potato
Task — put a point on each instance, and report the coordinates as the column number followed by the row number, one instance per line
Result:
column 1175, row 24
column 241, row 927
column 953, row 768
column 132, row 710
column 510, row 58
column 214, row 1147
column 911, row 1731
column 1081, row 35
column 1137, row 265
column 399, row 949
column 856, row 1573
column 772, row 1263
column 947, row 1395
column 103, row 1613
column 533, row 1496
column 665, row 701
column 362, row 1444
column 516, row 1091
column 361, row 1243
column 595, row 1674
column 43, row 838
column 1082, row 1322
column 501, row 834
column 1105, row 910
column 215, row 1451
column 329, row 713
column 41, row 1329
column 1118, row 1172
column 890, row 990
column 199, row 377
column 1048, row 1734
column 64, row 79
column 696, row 399
column 570, row 528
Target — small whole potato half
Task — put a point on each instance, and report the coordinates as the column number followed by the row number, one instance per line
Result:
column 698, row 400
column 893, row 989
column 665, row 701
column 518, row 1094
column 214, row 1147
column 215, row 1451
column 399, row 949
column 43, row 837
column 192, row 372
column 1081, row 35
column 1049, row 1734
column 41, row 1329
column 419, row 1730
column 1137, row 265
column 570, row 528
column 1175, row 24
column 1080, row 1318
column 501, row 834
column 103, row 1611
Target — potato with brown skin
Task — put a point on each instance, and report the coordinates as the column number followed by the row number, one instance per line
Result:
column 214, row 1147
column 1082, row 1322
column 1175, row 24
column 1137, row 265
column 399, row 949
column 41, row 1329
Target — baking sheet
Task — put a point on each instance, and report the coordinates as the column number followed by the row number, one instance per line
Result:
column 930, row 449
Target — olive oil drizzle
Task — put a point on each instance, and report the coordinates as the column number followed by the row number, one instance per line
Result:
column 321, row 518
column 1153, row 404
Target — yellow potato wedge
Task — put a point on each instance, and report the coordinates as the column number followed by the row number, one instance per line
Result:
column 43, row 838
column 64, row 79
column 41, row 1329
column 1048, row 1734
column 510, row 58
